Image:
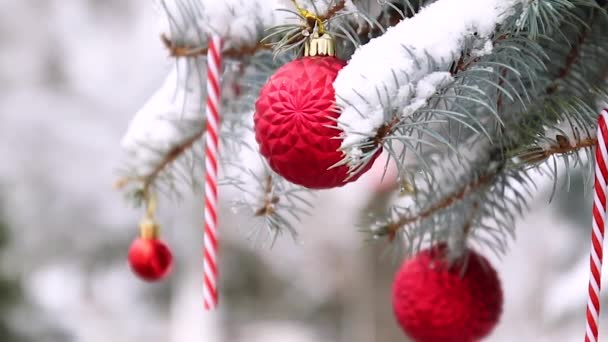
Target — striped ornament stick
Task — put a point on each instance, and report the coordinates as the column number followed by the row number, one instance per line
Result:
column 210, row 272
column 597, row 235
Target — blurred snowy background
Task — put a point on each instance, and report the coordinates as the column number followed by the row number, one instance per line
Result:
column 72, row 73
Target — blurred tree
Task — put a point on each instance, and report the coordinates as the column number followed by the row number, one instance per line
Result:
column 10, row 293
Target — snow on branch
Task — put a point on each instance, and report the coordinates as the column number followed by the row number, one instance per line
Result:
column 169, row 123
column 239, row 22
column 394, row 72
column 172, row 120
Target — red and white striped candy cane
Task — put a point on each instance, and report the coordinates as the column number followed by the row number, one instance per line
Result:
column 597, row 235
column 210, row 269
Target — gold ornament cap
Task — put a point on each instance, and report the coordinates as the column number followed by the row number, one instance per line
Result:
column 320, row 45
column 148, row 229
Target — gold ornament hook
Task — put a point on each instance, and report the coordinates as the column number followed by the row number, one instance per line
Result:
column 308, row 15
column 319, row 43
column 148, row 228
column 150, row 205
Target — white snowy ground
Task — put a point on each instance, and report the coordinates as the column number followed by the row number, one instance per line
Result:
column 72, row 73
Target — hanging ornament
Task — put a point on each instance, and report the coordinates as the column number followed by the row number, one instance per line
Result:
column 295, row 119
column 434, row 301
column 149, row 257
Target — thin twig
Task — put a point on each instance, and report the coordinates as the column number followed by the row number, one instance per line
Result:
column 563, row 146
column 193, row 51
column 393, row 227
column 331, row 12
column 572, row 56
column 270, row 200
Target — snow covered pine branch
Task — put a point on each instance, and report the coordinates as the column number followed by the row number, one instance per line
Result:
column 466, row 98
column 413, row 65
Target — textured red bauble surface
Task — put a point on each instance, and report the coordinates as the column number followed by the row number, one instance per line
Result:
column 294, row 126
column 434, row 302
column 150, row 258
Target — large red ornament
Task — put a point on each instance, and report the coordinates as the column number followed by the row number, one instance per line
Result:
column 294, row 126
column 437, row 302
column 150, row 258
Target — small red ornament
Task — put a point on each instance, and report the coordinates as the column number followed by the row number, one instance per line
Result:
column 150, row 258
column 295, row 123
column 437, row 302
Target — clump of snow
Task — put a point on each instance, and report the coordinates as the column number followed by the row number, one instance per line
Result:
column 425, row 88
column 389, row 68
column 156, row 127
column 484, row 50
column 165, row 121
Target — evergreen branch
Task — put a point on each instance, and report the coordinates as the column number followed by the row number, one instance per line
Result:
column 573, row 110
column 459, row 70
column 192, row 51
column 171, row 156
column 391, row 229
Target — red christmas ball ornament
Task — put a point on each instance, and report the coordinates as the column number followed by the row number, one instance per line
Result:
column 434, row 301
column 150, row 258
column 295, row 123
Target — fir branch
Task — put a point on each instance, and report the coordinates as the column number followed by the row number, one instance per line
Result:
column 566, row 100
column 168, row 159
column 515, row 69
column 192, row 51
column 392, row 228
